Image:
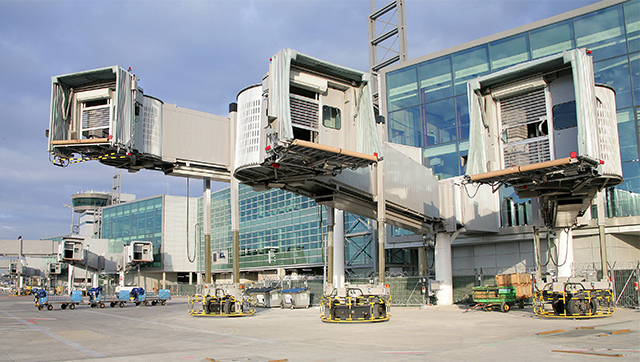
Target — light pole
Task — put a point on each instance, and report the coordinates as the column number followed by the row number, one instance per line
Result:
column 72, row 218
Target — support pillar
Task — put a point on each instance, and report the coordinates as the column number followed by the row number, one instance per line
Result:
column 338, row 249
column 330, row 247
column 206, row 205
column 422, row 262
column 538, row 253
column 444, row 274
column 138, row 283
column 602, row 236
column 381, row 213
column 564, row 246
column 190, row 278
column 121, row 278
column 235, row 200
column 235, row 229
column 164, row 280
column 70, row 279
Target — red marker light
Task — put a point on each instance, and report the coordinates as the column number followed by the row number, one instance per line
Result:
column 129, row 154
column 275, row 165
column 110, row 136
column 588, row 52
column 376, row 154
column 601, row 162
column 573, row 154
column 267, row 148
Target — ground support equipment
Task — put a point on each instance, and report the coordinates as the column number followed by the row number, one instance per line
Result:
column 43, row 300
column 574, row 300
column 295, row 298
column 498, row 298
column 160, row 297
column 356, row 304
column 224, row 303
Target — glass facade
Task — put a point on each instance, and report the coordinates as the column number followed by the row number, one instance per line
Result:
column 136, row 220
column 277, row 229
column 427, row 102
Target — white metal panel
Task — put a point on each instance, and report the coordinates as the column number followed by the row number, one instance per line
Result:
column 187, row 135
column 174, row 243
column 608, row 142
column 248, row 128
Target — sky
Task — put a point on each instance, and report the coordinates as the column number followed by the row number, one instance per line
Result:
column 196, row 54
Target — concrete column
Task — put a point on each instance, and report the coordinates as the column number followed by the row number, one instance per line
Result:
column 422, row 261
column 444, row 274
column 538, row 254
column 602, row 236
column 330, row 247
column 70, row 279
column 235, row 228
column 564, row 246
column 94, row 280
column 206, row 205
column 338, row 250
column 381, row 213
column 164, row 280
column 190, row 278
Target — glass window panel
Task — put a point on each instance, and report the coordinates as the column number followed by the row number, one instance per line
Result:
column 439, row 122
column 467, row 65
column 509, row 51
column 632, row 18
column 634, row 65
column 435, row 79
column 551, row 39
column 631, row 175
column 462, row 116
column 404, row 127
column 615, row 73
column 602, row 32
column 627, row 135
column 442, row 159
column 402, row 88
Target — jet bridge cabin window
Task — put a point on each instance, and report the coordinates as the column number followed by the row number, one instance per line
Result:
column 331, row 117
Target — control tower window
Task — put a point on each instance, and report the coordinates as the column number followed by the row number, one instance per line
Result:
column 331, row 117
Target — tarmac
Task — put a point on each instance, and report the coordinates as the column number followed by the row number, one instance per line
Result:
column 169, row 333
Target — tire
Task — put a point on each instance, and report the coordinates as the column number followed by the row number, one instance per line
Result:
column 121, row 304
column 163, row 303
column 50, row 307
column 154, row 302
column 39, row 307
column 137, row 304
column 504, row 307
column 112, row 304
column 63, row 306
column 101, row 305
column 146, row 303
column 71, row 306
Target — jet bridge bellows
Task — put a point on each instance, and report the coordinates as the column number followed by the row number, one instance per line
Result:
column 544, row 128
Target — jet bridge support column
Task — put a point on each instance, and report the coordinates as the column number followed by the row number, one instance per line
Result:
column 330, row 248
column 444, row 275
column 564, row 247
column 235, row 229
column 381, row 220
column 338, row 250
column 206, row 205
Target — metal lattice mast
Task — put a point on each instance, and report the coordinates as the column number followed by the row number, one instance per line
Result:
column 391, row 37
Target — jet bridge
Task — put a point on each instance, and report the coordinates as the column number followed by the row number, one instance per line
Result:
column 103, row 115
column 546, row 129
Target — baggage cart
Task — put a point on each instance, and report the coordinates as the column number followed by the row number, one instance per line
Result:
column 160, row 297
column 295, row 298
column 43, row 300
column 492, row 297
